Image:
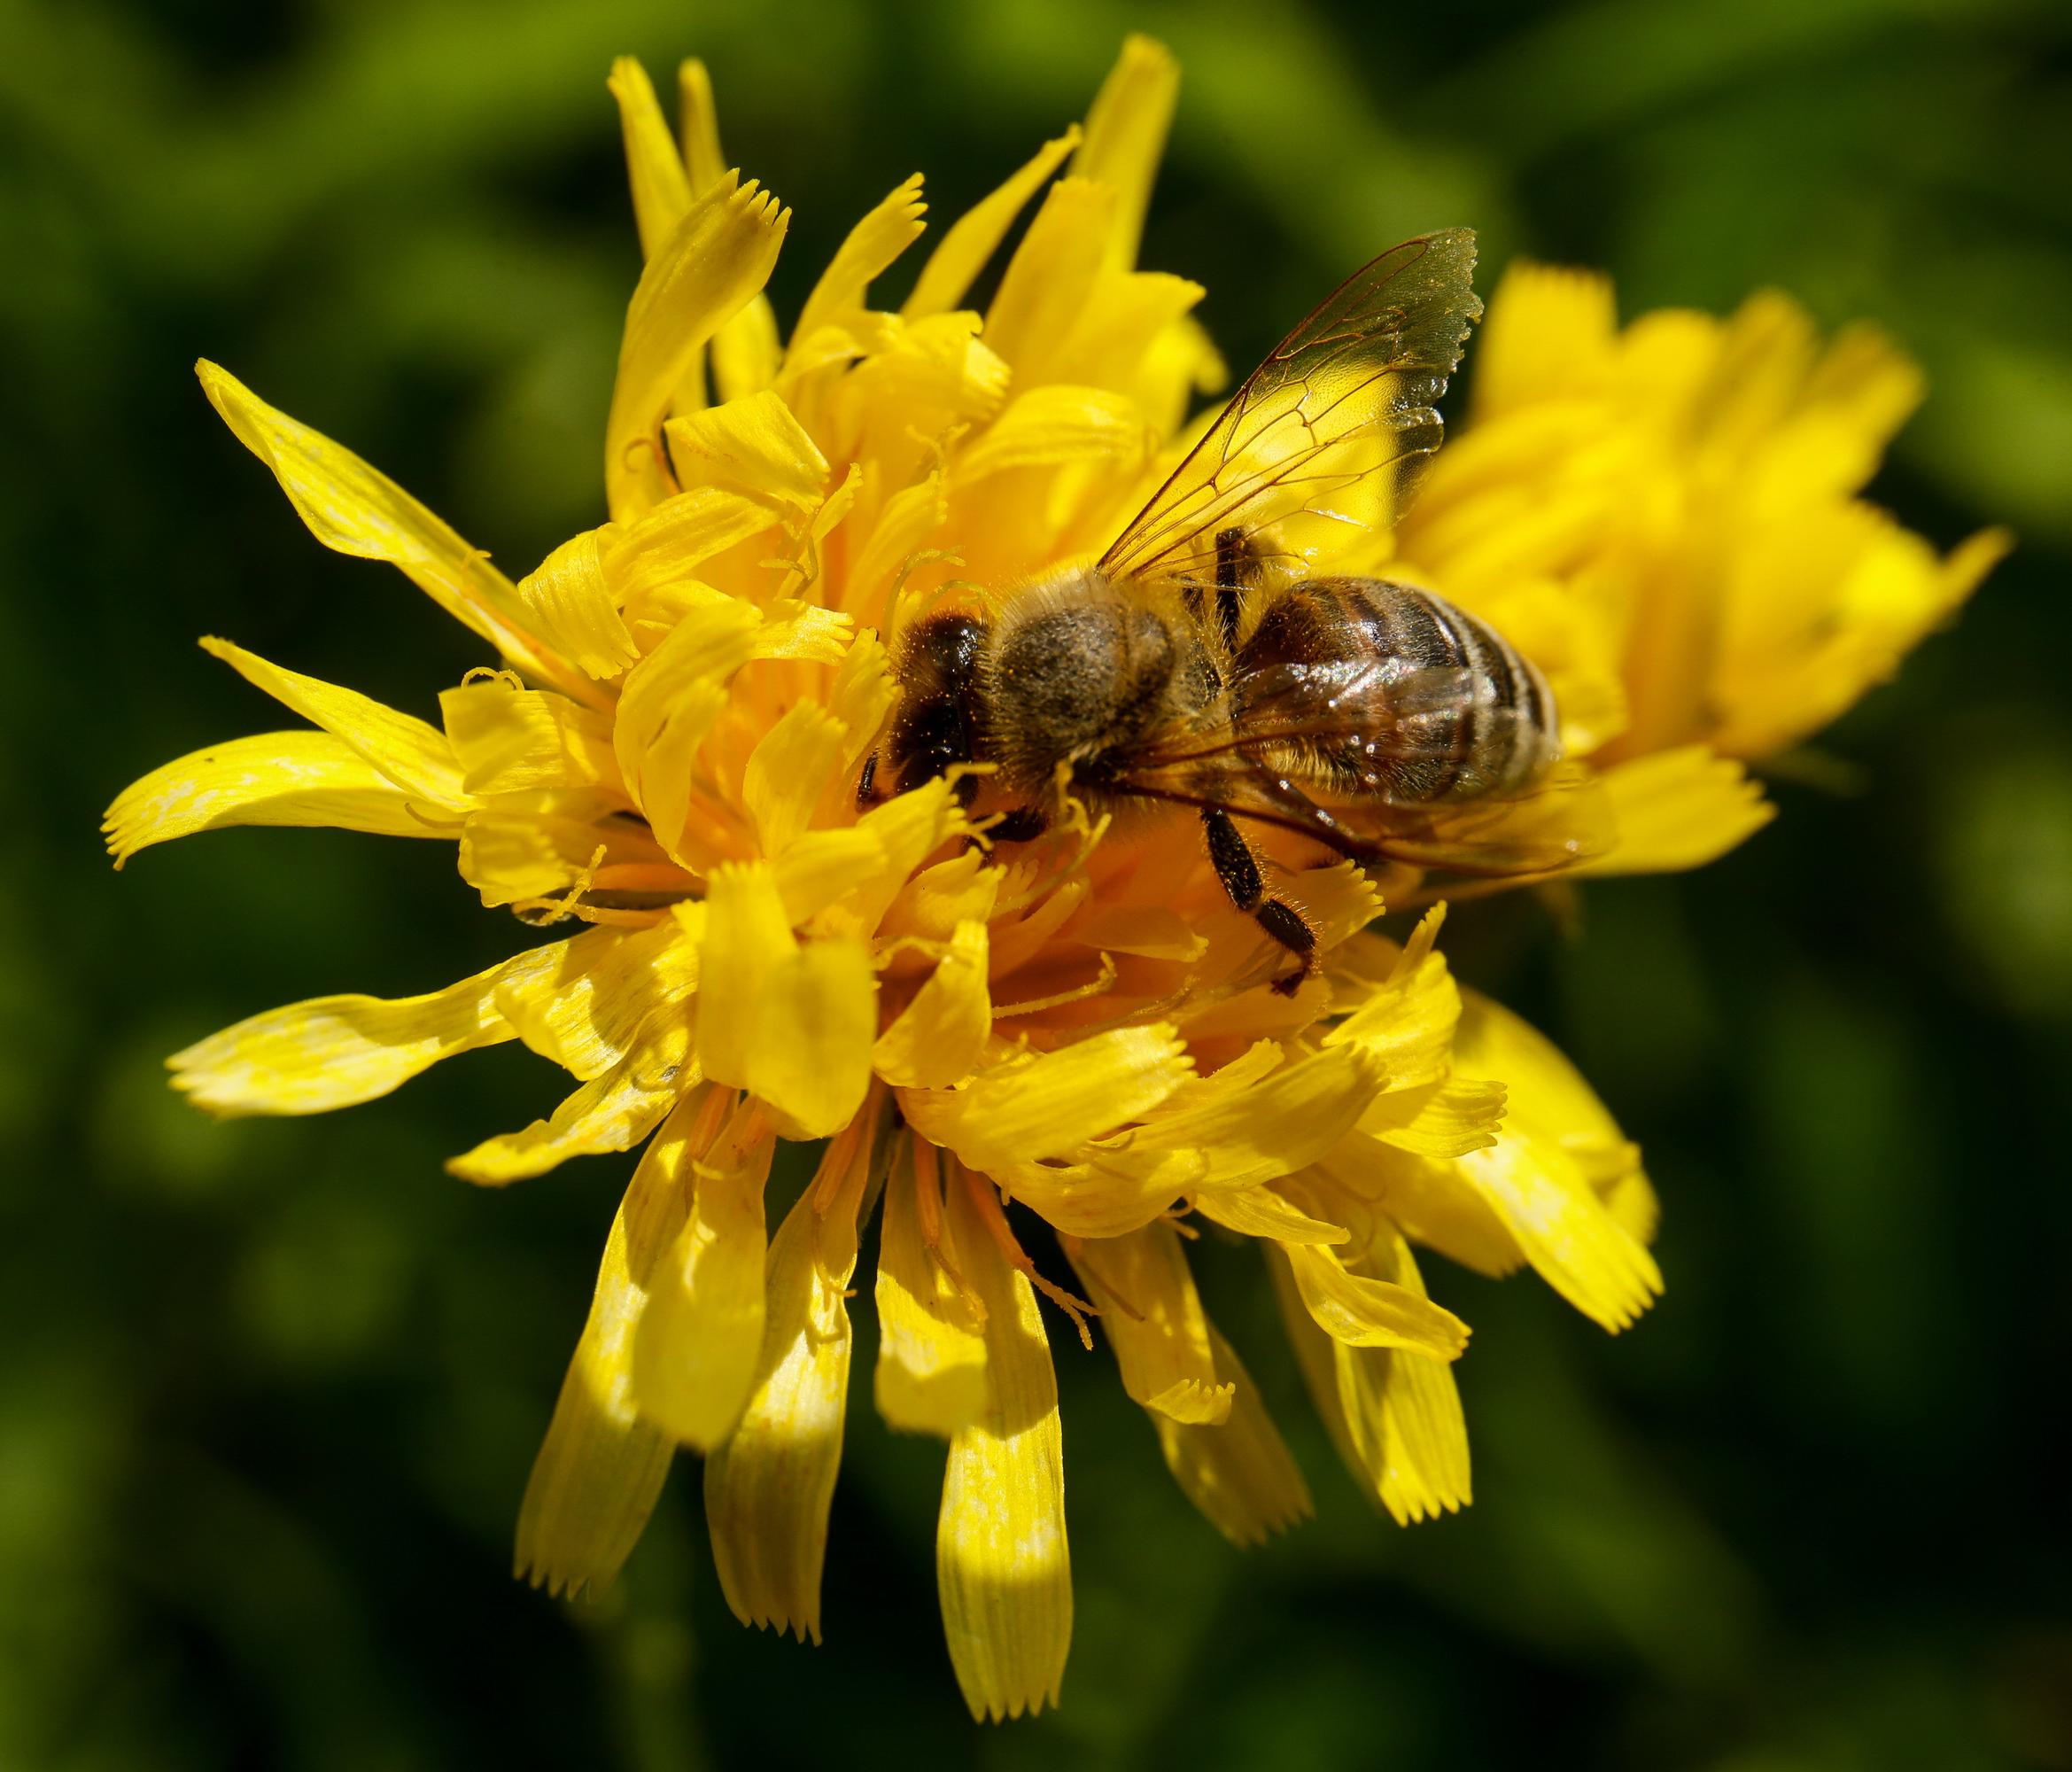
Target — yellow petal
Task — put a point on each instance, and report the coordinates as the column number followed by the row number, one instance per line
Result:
column 514, row 850
column 931, row 1371
column 510, row 740
column 1407, row 1016
column 413, row 755
column 1395, row 1417
column 1678, row 809
column 1002, row 1567
column 747, row 936
column 1261, row 1212
column 745, row 354
column 1154, row 1322
column 651, row 557
column 1548, row 335
column 1051, row 276
column 1445, row 1119
column 1044, row 1105
column 276, row 778
column 696, row 1348
column 1126, row 135
column 719, row 257
column 1365, row 1312
column 938, row 1038
column 1058, row 426
column 1239, row 1473
column 793, row 764
column 816, row 1017
column 1541, row 1176
column 586, row 1012
column 755, row 446
column 602, row 1466
column 573, row 609
column 670, row 703
column 351, row 507
column 768, row 1486
column 870, row 249
column 662, row 189
column 613, row 1112
column 1433, row 1202
column 961, row 254
column 1268, row 1128
column 335, row 1052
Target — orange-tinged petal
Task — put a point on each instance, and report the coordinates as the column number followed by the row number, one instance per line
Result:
column 1002, row 1567
column 769, row 1485
column 276, row 778
column 696, row 1349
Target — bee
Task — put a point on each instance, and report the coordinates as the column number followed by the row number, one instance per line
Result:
column 1191, row 668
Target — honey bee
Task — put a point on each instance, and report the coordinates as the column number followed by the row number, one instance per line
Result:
column 1190, row 667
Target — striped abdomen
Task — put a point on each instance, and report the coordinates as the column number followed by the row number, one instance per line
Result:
column 1436, row 705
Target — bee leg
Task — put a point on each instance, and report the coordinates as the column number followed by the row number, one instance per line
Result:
column 1237, row 869
column 867, row 787
column 1021, row 824
column 1232, row 565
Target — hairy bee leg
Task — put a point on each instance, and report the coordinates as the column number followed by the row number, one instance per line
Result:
column 867, row 787
column 1231, row 563
column 1237, row 869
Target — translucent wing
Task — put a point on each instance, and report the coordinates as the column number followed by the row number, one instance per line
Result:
column 1374, row 727
column 1340, row 420
column 1557, row 821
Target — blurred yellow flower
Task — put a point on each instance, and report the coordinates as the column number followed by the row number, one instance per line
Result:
column 1666, row 517
column 1083, row 1030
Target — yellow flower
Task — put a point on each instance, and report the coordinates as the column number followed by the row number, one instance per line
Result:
column 1666, row 517
column 1079, row 1030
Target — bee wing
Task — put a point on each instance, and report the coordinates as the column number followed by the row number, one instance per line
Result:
column 1339, row 420
column 1374, row 716
column 1562, row 819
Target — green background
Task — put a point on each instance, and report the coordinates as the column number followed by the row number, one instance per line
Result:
column 269, row 1392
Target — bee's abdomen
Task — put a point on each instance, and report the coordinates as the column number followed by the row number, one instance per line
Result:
column 1472, row 715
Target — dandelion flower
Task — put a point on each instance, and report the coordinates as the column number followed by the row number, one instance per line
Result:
column 1080, row 1032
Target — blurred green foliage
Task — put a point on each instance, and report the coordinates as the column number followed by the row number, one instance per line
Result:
column 269, row 1391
